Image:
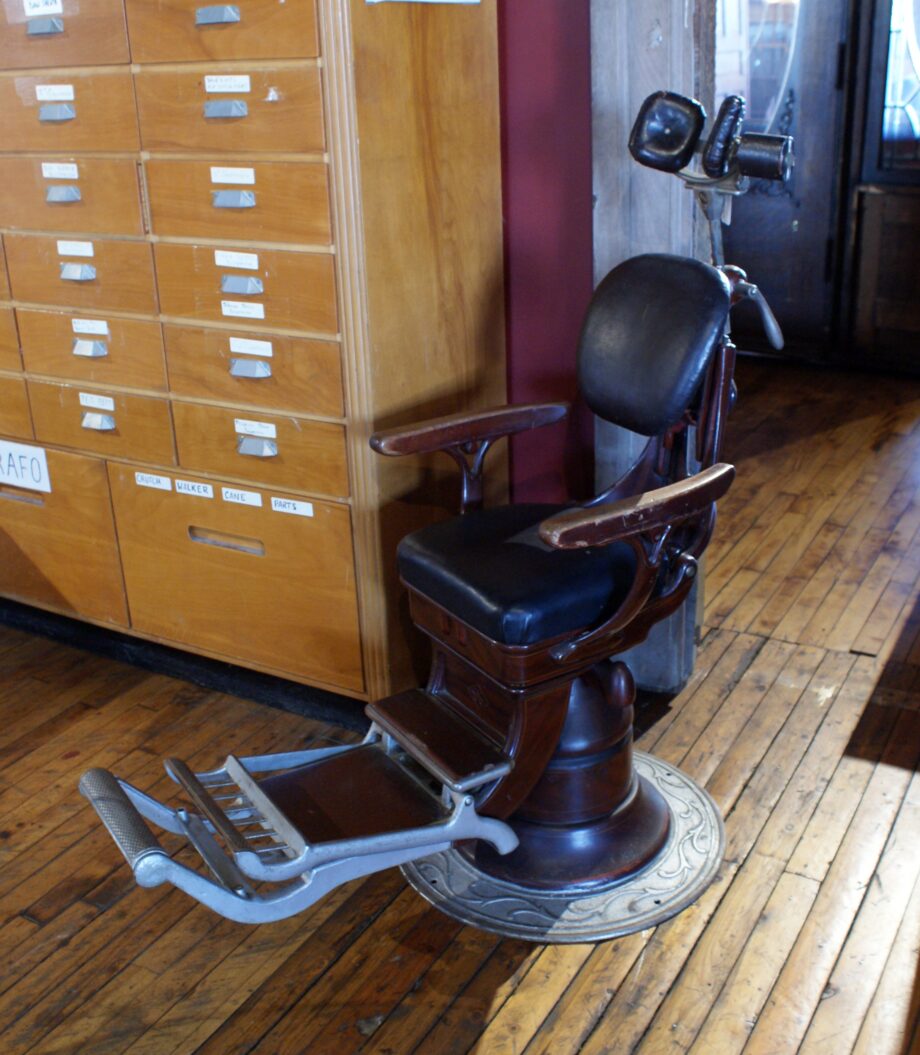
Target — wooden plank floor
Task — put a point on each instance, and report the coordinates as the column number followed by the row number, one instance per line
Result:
column 801, row 719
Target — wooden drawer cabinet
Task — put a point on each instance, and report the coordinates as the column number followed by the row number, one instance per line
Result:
column 107, row 422
column 58, row 549
column 108, row 351
column 279, row 373
column 70, row 194
column 189, row 30
column 80, row 33
column 234, row 240
column 9, row 341
column 199, row 109
column 55, row 113
column 263, row 202
column 288, row 290
column 266, row 448
column 270, row 587
column 86, row 275
column 15, row 419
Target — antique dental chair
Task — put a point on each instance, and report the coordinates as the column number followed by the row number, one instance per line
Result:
column 508, row 788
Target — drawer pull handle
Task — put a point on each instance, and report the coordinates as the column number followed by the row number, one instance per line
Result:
column 92, row 419
column 44, row 27
column 218, row 15
column 77, row 272
column 218, row 538
column 250, row 368
column 245, row 284
column 62, row 193
column 256, row 447
column 224, row 108
column 233, row 199
column 51, row 113
column 90, row 349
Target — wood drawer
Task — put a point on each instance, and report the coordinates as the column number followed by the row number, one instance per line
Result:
column 250, row 583
column 66, row 194
column 9, row 341
column 127, row 352
column 83, row 33
column 102, row 105
column 281, row 373
column 15, row 419
column 264, row 202
column 283, row 107
column 58, row 549
column 69, row 416
column 123, row 273
column 166, row 30
column 298, row 294
column 310, row 454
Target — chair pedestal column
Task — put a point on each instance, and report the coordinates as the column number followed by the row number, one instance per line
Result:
column 590, row 820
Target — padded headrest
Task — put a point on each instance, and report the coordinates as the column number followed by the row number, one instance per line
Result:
column 650, row 330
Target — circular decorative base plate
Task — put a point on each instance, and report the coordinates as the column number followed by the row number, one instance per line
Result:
column 687, row 864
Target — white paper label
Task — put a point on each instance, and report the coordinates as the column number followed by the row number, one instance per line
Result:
column 35, row 8
column 288, row 505
column 24, row 466
column 241, row 498
column 193, row 487
column 74, row 248
column 242, row 309
column 244, row 346
column 60, row 170
column 227, row 82
column 244, row 177
column 255, row 428
column 159, row 483
column 54, row 93
column 97, row 327
column 87, row 399
column 224, row 258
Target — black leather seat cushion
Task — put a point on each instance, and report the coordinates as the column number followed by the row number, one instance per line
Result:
column 491, row 570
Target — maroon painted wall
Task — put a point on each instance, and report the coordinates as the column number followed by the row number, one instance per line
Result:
column 545, row 60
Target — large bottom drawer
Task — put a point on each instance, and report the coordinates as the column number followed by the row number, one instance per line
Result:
column 57, row 548
column 253, row 575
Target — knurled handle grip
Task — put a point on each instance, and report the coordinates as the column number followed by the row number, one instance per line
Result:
column 119, row 814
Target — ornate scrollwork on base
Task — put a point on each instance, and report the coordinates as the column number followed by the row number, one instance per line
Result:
column 686, row 865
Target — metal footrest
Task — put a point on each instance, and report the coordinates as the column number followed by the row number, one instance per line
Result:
column 274, row 846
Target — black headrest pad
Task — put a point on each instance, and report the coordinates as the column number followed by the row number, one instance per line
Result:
column 650, row 330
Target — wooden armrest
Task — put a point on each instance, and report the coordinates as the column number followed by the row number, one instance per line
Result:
column 471, row 427
column 601, row 525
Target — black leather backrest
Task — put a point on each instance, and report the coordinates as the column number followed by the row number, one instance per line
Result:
column 647, row 339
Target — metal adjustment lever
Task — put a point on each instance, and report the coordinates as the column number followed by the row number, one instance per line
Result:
column 61, row 193
column 751, row 292
column 233, row 199
column 89, row 349
column 224, row 108
column 250, row 368
column 71, row 272
column 44, row 27
column 92, row 419
column 220, row 14
column 245, row 284
column 256, row 447
column 51, row 113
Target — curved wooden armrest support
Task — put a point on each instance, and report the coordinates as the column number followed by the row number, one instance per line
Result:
column 641, row 514
column 438, row 434
column 467, row 438
column 645, row 523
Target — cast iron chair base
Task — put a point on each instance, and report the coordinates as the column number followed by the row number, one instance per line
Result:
column 685, row 866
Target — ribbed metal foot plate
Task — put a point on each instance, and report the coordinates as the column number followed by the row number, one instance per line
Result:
column 687, row 864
